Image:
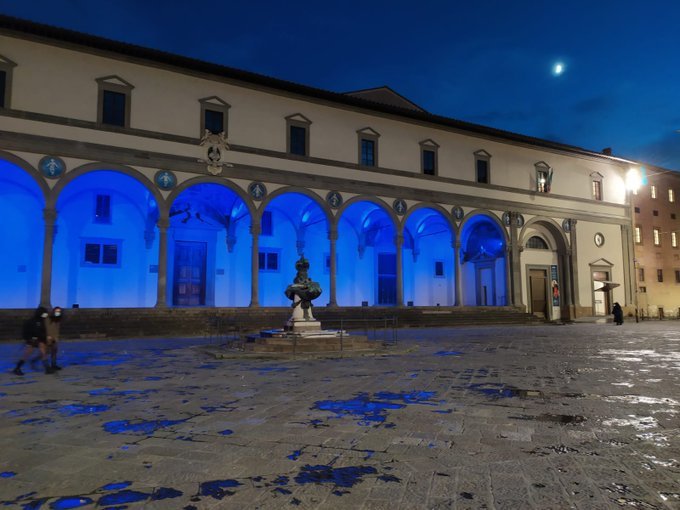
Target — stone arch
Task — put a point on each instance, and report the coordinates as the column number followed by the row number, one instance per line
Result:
column 374, row 200
column 548, row 225
column 206, row 179
column 301, row 191
column 30, row 170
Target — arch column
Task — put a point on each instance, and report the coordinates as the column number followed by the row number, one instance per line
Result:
column 163, row 224
column 515, row 266
column 255, row 230
column 457, row 276
column 573, row 266
column 509, row 278
column 50, row 219
column 567, row 295
column 399, row 243
column 333, row 240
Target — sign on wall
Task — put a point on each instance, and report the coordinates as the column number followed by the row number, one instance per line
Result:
column 555, row 286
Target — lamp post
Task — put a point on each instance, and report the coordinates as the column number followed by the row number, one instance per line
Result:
column 633, row 183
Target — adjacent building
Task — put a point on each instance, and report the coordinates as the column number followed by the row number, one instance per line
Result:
column 133, row 178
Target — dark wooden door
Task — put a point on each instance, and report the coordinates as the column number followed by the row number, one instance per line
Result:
column 538, row 284
column 189, row 280
column 387, row 279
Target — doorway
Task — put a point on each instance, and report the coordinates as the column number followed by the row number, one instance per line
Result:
column 601, row 293
column 485, row 288
column 387, row 279
column 538, row 285
column 189, row 273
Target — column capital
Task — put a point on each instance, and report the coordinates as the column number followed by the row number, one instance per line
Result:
column 399, row 240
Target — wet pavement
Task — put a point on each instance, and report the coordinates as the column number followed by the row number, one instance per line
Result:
column 549, row 417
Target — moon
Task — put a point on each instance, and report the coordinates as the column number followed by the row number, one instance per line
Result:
column 558, row 68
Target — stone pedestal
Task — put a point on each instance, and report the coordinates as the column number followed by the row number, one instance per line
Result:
column 302, row 320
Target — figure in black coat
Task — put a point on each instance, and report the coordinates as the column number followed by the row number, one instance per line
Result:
column 35, row 335
column 618, row 314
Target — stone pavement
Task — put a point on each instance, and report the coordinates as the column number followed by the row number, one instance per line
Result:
column 549, row 417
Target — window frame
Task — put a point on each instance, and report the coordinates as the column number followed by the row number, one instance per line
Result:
column 652, row 191
column 372, row 135
column 483, row 156
column 671, row 195
column 267, row 251
column 299, row 121
column 95, row 217
column 641, row 274
column 118, row 85
column 656, row 236
column 674, row 239
column 677, row 275
column 637, row 234
column 543, row 168
column 7, row 66
column 659, row 275
column 215, row 104
column 101, row 241
column 439, row 262
column 429, row 145
column 597, row 186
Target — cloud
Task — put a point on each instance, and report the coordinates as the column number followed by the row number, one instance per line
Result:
column 664, row 151
column 593, row 105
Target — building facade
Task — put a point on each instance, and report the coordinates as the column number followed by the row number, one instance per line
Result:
column 131, row 178
column 656, row 233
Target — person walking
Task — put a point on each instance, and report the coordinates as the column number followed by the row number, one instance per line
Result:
column 618, row 314
column 35, row 336
column 52, row 329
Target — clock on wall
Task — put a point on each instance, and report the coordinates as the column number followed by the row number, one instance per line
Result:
column 599, row 239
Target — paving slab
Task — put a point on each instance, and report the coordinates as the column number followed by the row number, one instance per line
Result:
column 577, row 416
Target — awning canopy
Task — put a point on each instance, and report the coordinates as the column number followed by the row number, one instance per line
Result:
column 607, row 286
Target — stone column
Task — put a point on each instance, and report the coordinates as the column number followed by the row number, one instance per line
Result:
column 457, row 275
column 333, row 238
column 573, row 264
column 50, row 219
column 567, row 292
column 515, row 289
column 509, row 277
column 163, row 224
column 255, row 230
column 399, row 243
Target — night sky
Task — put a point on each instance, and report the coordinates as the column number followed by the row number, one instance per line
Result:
column 490, row 62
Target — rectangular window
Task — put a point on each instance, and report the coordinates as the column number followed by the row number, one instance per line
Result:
column 102, row 209
column 113, row 108
column 652, row 190
column 637, row 209
column 267, row 225
column 655, row 213
column 674, row 239
column 657, row 237
column 367, row 152
column 597, row 190
column 298, row 140
column 268, row 260
column 3, row 87
column 641, row 274
column 482, row 171
column 638, row 234
column 643, row 290
column 671, row 195
column 214, row 121
column 439, row 269
column 677, row 276
column 542, row 184
column 100, row 252
column 659, row 275
column 429, row 162
column 672, row 215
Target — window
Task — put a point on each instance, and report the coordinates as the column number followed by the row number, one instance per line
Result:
column 266, row 224
column 657, row 237
column 543, row 177
column 482, row 167
column 643, row 290
column 672, row 215
column 268, row 260
column 297, row 134
column 659, row 275
column 677, row 276
column 637, row 209
column 596, row 185
column 100, row 252
column 114, row 101
column 674, row 239
column 368, row 147
column 214, row 115
column 655, row 213
column 671, row 195
column 6, row 67
column 537, row 243
column 641, row 274
column 652, row 190
column 439, row 269
column 428, row 157
column 638, row 234
column 102, row 209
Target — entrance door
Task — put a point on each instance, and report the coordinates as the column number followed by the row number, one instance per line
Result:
column 486, row 291
column 387, row 279
column 189, row 275
column 539, row 299
column 601, row 297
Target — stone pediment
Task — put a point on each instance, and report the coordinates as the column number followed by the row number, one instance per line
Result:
column 385, row 95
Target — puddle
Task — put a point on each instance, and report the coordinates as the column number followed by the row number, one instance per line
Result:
column 553, row 418
column 497, row 390
column 373, row 410
column 637, row 422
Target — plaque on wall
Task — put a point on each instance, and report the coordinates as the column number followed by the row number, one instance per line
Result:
column 566, row 225
column 506, row 219
column 598, row 239
column 51, row 167
column 399, row 206
column 257, row 190
column 458, row 213
column 165, row 180
column 334, row 199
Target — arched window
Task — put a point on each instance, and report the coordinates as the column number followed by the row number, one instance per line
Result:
column 537, row 243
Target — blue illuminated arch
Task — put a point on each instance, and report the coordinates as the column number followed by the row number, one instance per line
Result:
column 483, row 260
column 297, row 223
column 106, row 242
column 22, row 200
column 366, row 271
column 209, row 248
column 429, row 263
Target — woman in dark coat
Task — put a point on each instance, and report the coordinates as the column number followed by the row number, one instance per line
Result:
column 618, row 314
column 35, row 335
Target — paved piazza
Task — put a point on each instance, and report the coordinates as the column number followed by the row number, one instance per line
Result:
column 574, row 416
